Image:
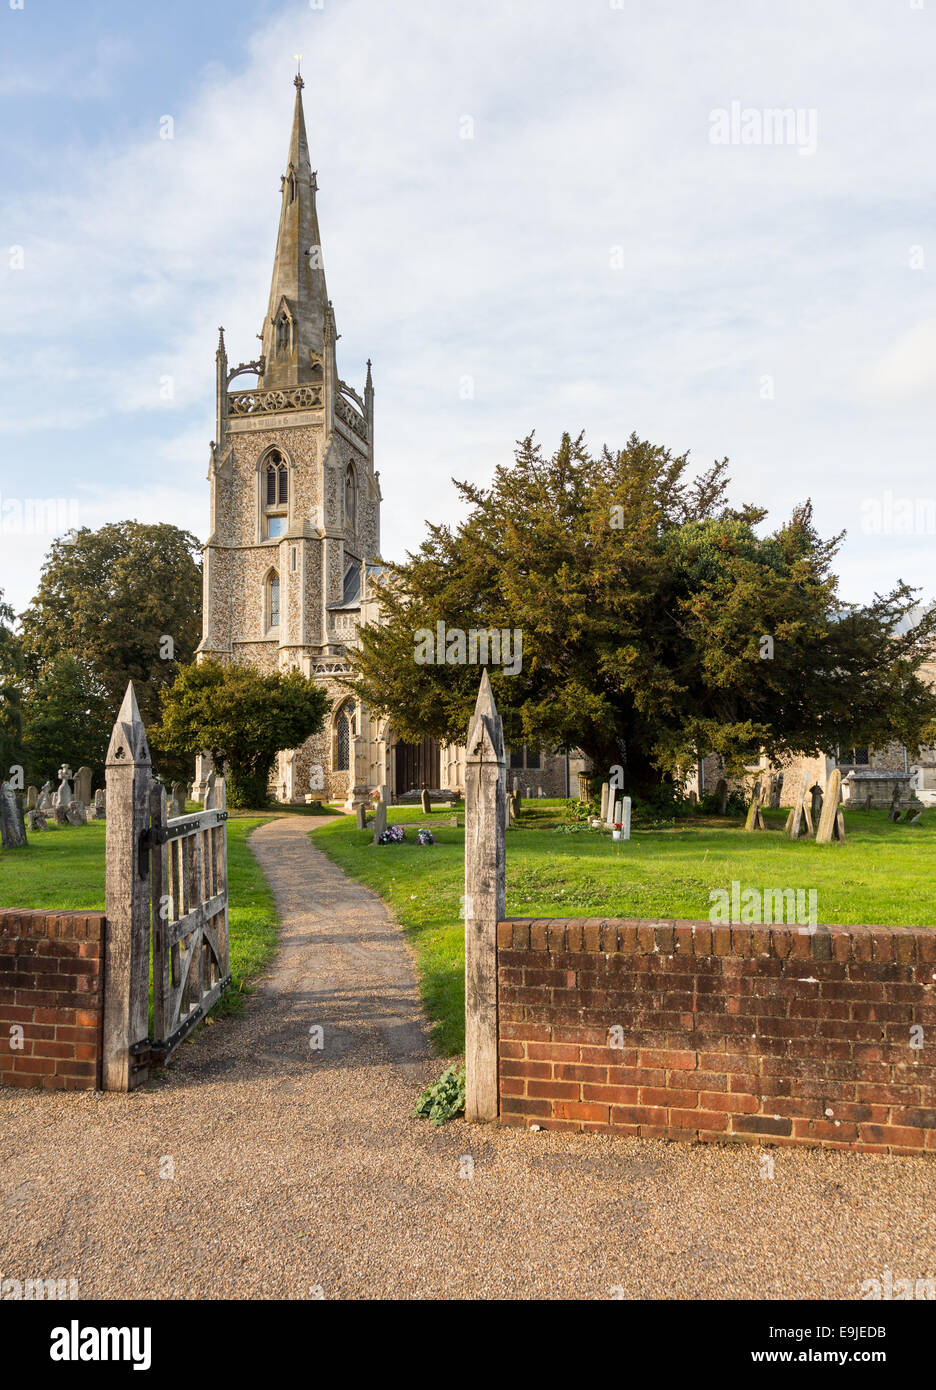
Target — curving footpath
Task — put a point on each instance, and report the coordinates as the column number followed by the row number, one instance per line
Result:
column 296, row 1172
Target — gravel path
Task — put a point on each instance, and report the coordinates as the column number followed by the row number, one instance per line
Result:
column 298, row 1174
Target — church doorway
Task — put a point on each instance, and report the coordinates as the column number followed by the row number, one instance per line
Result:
column 417, row 766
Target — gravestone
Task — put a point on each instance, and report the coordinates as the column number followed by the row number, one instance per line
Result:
column 99, row 809
column 35, row 820
column 721, row 795
column 385, row 794
column 625, row 808
column 516, row 804
column 380, row 820
column 75, row 813
column 425, row 802
column 831, row 822
column 45, row 803
column 605, row 793
column 83, row 786
column 815, row 792
column 799, row 821
column 61, row 815
column 693, row 798
column 894, row 812
column 12, row 824
column 32, row 798
column 361, row 818
column 755, row 816
column 64, row 794
column 177, row 801
column 776, row 791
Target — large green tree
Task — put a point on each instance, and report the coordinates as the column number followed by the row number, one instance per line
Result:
column 11, row 673
column 658, row 621
column 241, row 716
column 125, row 602
column 65, row 721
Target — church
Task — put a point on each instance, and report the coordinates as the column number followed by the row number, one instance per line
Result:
column 292, row 558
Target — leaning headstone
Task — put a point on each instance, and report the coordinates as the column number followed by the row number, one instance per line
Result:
column 32, row 798
column 75, row 813
column 831, row 822
column 177, row 801
column 721, row 795
column 755, row 816
column 380, row 821
column 12, row 823
column 361, row 817
column 35, row 820
column 915, row 820
column 800, row 816
column 425, row 802
column 83, row 786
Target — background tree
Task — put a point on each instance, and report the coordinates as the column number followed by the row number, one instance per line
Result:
column 243, row 717
column 643, row 598
column 111, row 599
column 11, row 673
column 65, row 721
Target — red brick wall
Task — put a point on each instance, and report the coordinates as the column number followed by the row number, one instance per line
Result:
column 51, row 978
column 729, row 1033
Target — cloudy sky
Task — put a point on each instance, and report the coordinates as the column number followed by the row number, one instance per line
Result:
column 536, row 214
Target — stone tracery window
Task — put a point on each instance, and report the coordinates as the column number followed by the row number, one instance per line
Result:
column 272, row 599
column 344, row 732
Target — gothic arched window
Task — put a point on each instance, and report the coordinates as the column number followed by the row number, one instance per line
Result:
column 350, row 496
column 344, row 732
column 272, row 599
column 274, row 497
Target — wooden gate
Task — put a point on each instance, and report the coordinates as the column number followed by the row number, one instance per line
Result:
column 166, row 907
column 190, row 914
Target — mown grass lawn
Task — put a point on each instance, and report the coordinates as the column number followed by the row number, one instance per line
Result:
column 883, row 873
column 63, row 867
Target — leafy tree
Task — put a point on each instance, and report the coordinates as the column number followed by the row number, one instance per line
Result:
column 243, row 717
column 111, row 599
column 11, row 716
column 643, row 597
column 65, row 721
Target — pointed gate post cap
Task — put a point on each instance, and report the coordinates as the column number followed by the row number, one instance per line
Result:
column 485, row 729
column 128, row 745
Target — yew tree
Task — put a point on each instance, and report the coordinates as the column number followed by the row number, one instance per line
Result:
column 659, row 622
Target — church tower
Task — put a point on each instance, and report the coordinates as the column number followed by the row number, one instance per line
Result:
column 295, row 502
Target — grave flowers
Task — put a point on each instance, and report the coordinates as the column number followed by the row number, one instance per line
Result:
column 393, row 835
column 616, row 832
column 424, row 837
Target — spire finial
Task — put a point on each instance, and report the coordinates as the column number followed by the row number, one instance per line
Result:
column 297, row 80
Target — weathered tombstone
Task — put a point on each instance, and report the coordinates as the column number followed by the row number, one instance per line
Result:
column 45, row 802
column 605, row 793
column 385, row 794
column 776, row 791
column 83, row 785
column 516, row 803
column 584, row 786
column 177, row 801
column 755, row 816
column 815, row 792
column 127, row 900
column 64, row 794
column 380, row 820
column 485, row 901
column 625, row 806
column 894, row 812
column 361, row 818
column 721, row 795
column 75, row 813
column 915, row 820
column 99, row 809
column 32, row 798
column 693, row 798
column 425, row 802
column 12, row 823
column 799, row 815
column 831, row 822
column 35, row 820
column 61, row 815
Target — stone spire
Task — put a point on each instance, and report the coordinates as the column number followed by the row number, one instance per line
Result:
column 294, row 328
